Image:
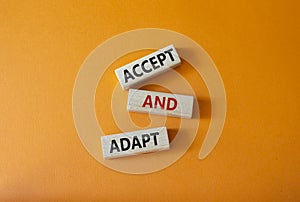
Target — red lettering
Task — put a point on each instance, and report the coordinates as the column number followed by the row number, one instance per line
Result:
column 169, row 103
column 159, row 102
column 148, row 101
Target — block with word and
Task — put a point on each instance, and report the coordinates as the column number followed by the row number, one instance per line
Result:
column 160, row 103
column 147, row 67
column 135, row 142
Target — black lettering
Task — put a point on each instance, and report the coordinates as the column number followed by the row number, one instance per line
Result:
column 153, row 62
column 145, row 139
column 143, row 67
column 161, row 57
column 154, row 137
column 122, row 140
column 170, row 54
column 114, row 146
column 134, row 72
column 136, row 142
column 127, row 75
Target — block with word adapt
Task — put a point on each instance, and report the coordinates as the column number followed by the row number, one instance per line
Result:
column 135, row 142
column 160, row 103
column 147, row 67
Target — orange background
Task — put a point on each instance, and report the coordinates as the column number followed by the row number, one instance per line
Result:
column 255, row 45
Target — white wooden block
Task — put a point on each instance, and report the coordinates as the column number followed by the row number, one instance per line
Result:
column 160, row 103
column 148, row 66
column 135, row 142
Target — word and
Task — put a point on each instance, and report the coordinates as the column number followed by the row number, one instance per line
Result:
column 160, row 103
column 171, row 103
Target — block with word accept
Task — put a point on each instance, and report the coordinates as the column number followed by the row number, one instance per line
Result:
column 160, row 103
column 147, row 67
column 135, row 142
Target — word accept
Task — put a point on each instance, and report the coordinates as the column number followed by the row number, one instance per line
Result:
column 136, row 142
column 147, row 67
column 160, row 103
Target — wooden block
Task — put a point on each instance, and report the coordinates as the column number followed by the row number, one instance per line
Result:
column 147, row 67
column 136, row 142
column 160, row 103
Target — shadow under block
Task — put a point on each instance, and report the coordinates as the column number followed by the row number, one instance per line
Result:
column 135, row 142
column 160, row 103
column 147, row 67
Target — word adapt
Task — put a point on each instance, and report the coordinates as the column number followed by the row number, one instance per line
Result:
column 147, row 67
column 160, row 103
column 136, row 142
